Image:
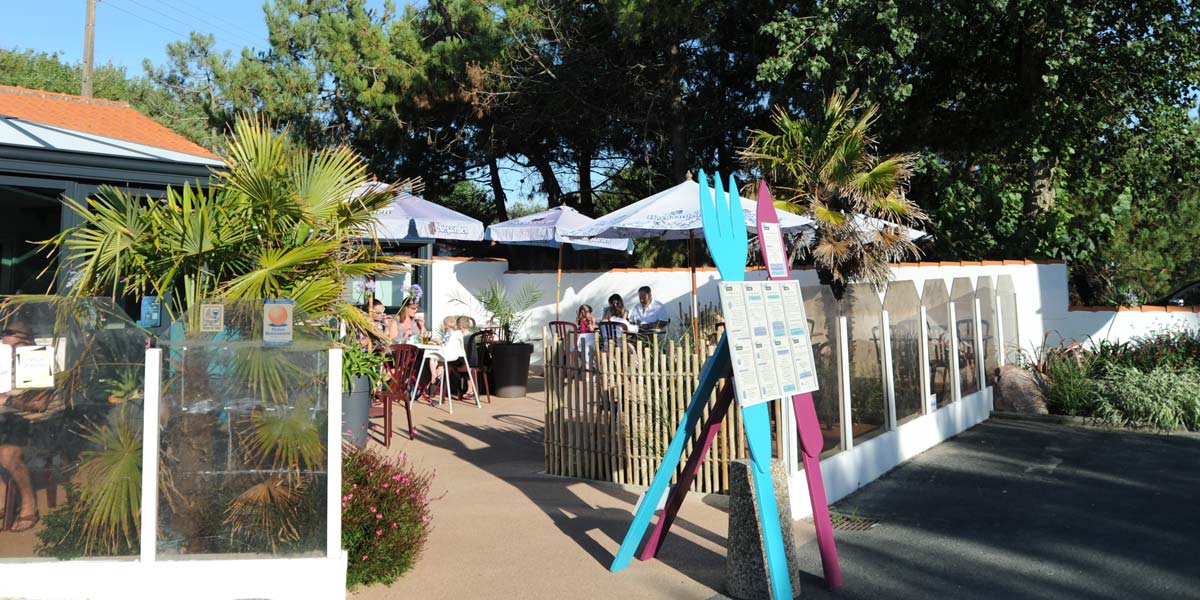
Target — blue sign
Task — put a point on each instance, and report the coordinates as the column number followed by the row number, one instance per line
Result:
column 151, row 312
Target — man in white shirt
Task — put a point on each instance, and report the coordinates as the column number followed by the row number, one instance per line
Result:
column 648, row 313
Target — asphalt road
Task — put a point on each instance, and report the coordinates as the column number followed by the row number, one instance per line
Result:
column 1019, row 509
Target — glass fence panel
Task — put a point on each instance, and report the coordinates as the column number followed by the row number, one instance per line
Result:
column 1006, row 298
column 936, row 301
column 989, row 331
column 71, row 374
column 243, row 427
column 864, row 323
column 904, row 322
column 963, row 295
column 822, row 311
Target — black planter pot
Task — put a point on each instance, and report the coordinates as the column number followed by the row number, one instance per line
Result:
column 356, row 405
column 509, row 376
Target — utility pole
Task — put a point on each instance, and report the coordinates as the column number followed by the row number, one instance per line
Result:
column 89, row 40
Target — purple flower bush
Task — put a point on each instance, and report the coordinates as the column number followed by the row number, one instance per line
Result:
column 385, row 515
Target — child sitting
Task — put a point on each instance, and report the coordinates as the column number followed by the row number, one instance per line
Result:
column 452, row 353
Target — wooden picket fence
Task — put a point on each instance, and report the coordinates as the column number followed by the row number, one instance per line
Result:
column 613, row 419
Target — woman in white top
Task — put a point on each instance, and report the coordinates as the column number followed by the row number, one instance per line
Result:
column 615, row 313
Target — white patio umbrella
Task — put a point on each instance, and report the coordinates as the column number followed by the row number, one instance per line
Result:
column 547, row 228
column 674, row 214
column 866, row 225
column 414, row 218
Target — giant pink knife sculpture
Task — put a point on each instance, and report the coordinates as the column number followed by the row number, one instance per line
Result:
column 811, row 441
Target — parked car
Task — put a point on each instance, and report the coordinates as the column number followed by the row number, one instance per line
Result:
column 1188, row 295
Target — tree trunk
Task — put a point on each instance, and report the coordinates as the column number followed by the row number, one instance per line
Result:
column 679, row 158
column 583, row 167
column 1040, row 185
column 1039, row 190
column 549, row 179
column 497, row 189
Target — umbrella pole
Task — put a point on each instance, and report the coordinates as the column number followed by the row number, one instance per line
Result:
column 558, row 286
column 695, row 302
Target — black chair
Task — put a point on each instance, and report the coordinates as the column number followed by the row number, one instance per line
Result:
column 479, row 357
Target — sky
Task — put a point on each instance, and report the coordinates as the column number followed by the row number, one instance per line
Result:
column 131, row 31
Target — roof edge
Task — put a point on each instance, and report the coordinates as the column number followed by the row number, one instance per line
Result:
column 20, row 91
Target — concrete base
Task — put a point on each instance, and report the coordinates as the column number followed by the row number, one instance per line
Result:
column 745, row 565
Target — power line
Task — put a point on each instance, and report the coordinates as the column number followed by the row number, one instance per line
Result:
column 140, row 17
column 234, row 32
column 227, row 23
column 161, row 14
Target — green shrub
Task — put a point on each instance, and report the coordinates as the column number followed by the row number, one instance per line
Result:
column 61, row 534
column 385, row 516
column 1067, row 382
column 1164, row 398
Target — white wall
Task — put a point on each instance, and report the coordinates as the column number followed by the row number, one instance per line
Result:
column 1086, row 325
column 1041, row 295
column 1042, row 306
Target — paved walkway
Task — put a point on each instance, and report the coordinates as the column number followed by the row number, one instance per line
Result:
column 1009, row 509
column 504, row 529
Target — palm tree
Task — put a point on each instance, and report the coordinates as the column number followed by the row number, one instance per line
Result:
column 280, row 222
column 277, row 224
column 824, row 167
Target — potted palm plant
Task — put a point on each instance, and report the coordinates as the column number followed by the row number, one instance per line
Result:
column 509, row 372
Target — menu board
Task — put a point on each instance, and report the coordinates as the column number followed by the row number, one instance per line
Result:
column 741, row 353
column 768, row 338
column 771, row 239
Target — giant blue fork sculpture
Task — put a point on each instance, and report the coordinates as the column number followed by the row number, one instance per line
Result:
column 725, row 234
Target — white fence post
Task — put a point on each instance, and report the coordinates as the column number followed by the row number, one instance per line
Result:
column 889, row 376
column 333, row 473
column 844, row 397
column 150, row 409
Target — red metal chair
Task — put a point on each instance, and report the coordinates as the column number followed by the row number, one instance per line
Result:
column 401, row 371
column 567, row 332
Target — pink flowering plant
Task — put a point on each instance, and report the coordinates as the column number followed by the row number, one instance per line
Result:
column 385, row 515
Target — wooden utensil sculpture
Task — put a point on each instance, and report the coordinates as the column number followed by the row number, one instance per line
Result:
column 725, row 234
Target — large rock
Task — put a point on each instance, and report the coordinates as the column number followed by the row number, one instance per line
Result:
column 745, row 567
column 1017, row 390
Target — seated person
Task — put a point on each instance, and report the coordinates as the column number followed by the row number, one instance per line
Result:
column 648, row 313
column 615, row 313
column 585, row 321
column 408, row 328
column 466, row 325
column 19, row 334
column 383, row 322
column 453, row 353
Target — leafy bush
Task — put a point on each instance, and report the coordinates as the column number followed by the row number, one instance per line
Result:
column 1176, row 350
column 385, row 515
column 1164, row 398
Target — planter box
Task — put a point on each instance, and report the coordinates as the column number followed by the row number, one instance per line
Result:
column 509, row 375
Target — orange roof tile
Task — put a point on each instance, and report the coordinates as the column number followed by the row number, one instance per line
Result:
column 93, row 115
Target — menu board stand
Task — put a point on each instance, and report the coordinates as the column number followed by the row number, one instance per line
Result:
column 733, row 364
